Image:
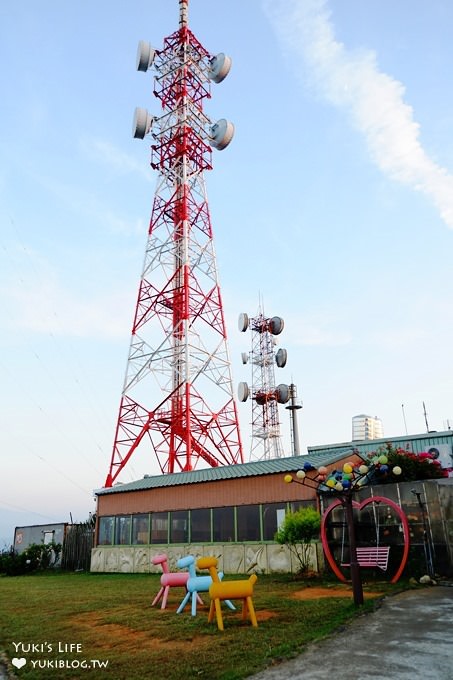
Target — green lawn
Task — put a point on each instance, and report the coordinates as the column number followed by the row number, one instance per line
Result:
column 108, row 619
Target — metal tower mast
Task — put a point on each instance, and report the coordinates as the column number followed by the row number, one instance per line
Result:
column 177, row 397
column 266, row 437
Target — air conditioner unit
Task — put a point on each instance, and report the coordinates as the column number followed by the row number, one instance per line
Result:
column 442, row 453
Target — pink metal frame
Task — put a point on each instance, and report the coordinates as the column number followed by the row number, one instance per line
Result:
column 178, row 396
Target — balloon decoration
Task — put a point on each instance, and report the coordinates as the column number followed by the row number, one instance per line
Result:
column 351, row 477
column 342, row 485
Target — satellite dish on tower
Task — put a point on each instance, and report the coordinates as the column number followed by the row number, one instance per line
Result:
column 219, row 68
column 243, row 322
column 142, row 123
column 276, row 325
column 145, row 55
column 243, row 391
column 282, row 394
column 281, row 357
column 221, row 134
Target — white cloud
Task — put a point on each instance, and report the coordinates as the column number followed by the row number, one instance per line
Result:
column 106, row 153
column 318, row 329
column 351, row 80
column 81, row 201
column 47, row 309
column 36, row 301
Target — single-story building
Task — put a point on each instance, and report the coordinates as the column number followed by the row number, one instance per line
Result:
column 39, row 534
column 230, row 511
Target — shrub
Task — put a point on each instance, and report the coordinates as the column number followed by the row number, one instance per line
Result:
column 35, row 558
column 297, row 532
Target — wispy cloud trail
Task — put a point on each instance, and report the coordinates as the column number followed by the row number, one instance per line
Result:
column 351, row 80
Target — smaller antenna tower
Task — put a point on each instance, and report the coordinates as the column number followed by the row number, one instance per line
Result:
column 266, row 438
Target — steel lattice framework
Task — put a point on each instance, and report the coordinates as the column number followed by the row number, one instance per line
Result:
column 177, row 397
column 266, row 436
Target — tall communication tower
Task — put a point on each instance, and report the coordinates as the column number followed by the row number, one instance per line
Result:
column 177, row 397
column 266, row 437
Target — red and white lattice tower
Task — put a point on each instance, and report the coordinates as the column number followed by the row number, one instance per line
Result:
column 265, row 394
column 177, row 398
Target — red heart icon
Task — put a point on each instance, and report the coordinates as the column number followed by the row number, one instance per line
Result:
column 360, row 506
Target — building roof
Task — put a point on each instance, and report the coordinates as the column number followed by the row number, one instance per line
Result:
column 416, row 443
column 254, row 469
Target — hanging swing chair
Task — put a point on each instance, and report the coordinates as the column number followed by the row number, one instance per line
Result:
column 370, row 556
column 375, row 556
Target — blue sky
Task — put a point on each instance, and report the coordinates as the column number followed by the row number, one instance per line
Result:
column 333, row 205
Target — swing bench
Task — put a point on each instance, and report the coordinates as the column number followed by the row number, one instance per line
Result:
column 373, row 556
column 370, row 556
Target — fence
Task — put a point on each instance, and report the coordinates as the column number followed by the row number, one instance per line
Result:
column 77, row 545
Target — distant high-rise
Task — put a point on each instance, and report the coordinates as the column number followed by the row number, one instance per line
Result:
column 366, row 427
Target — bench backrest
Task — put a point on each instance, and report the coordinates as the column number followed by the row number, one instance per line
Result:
column 374, row 555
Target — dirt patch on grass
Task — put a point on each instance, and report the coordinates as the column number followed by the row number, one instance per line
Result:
column 318, row 593
column 264, row 615
column 109, row 635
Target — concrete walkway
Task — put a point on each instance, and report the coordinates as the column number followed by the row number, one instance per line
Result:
column 409, row 637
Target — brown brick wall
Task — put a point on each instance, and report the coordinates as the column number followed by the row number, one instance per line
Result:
column 227, row 492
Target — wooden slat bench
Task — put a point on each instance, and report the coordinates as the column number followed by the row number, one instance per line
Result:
column 374, row 556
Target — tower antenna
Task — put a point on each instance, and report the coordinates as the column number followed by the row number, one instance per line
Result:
column 265, row 394
column 177, row 399
column 426, row 417
column 404, row 418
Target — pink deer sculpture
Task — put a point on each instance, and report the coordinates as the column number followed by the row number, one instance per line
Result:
column 169, row 579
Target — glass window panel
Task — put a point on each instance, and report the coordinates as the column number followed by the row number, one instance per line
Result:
column 48, row 537
column 140, row 529
column 273, row 517
column 223, row 525
column 106, row 530
column 248, row 523
column 159, row 527
column 179, row 527
column 297, row 505
column 200, row 525
column 123, row 530
column 437, row 532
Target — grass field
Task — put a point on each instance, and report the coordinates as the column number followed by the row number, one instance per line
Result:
column 64, row 625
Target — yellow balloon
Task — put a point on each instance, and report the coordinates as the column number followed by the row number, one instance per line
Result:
column 288, row 479
column 331, row 483
column 347, row 467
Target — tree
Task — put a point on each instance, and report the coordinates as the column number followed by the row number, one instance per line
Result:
column 297, row 532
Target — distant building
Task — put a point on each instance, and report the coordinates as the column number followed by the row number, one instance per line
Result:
column 39, row 534
column 366, row 427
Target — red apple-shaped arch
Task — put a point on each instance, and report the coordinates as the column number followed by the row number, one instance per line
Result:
column 360, row 506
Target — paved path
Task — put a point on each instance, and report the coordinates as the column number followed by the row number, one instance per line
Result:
column 409, row 637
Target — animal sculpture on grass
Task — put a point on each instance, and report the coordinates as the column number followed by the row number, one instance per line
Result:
column 221, row 591
column 169, row 579
column 195, row 585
